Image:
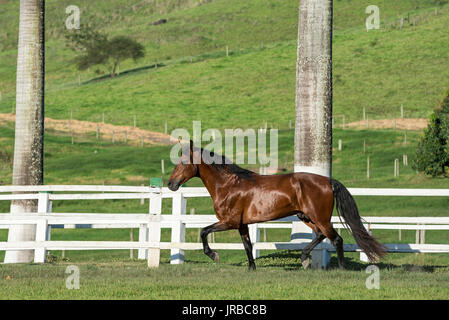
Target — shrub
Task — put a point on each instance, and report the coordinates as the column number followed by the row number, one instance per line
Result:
column 432, row 154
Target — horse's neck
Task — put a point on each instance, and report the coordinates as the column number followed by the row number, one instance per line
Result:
column 212, row 179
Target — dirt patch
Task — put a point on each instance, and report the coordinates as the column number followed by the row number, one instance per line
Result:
column 135, row 178
column 105, row 131
column 413, row 124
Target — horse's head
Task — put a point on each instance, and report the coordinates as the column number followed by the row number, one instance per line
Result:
column 186, row 168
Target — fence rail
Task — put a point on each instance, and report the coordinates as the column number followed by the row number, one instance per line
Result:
column 150, row 225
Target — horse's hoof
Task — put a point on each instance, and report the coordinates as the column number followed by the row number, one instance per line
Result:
column 252, row 267
column 305, row 263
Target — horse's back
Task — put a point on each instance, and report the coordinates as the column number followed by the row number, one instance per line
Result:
column 276, row 196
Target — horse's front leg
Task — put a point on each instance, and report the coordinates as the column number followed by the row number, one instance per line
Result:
column 219, row 226
column 244, row 233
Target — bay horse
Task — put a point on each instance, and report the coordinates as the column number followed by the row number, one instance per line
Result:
column 242, row 197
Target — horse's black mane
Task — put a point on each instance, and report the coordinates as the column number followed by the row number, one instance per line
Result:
column 223, row 164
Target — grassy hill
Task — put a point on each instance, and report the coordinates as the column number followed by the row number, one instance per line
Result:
column 379, row 70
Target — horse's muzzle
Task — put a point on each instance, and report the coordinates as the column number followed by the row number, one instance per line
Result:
column 173, row 185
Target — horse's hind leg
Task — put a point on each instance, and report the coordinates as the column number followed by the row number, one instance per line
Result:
column 244, row 233
column 305, row 255
column 336, row 241
column 219, row 226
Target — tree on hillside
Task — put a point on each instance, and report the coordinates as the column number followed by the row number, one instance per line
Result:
column 29, row 129
column 432, row 154
column 95, row 48
column 313, row 126
column 122, row 48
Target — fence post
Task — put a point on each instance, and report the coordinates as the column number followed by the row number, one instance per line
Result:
column 44, row 203
column 254, row 235
column 131, row 238
column 142, row 254
column 42, row 228
column 321, row 256
column 144, row 234
column 367, row 168
column 154, row 254
column 420, row 235
column 154, row 230
column 363, row 256
column 178, row 230
column 41, row 234
column 396, row 167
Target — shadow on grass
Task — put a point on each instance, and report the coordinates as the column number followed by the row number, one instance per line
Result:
column 290, row 260
column 124, row 73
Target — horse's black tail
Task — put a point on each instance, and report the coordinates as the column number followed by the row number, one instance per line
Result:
column 347, row 208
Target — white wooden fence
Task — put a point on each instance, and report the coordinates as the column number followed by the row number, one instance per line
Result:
column 149, row 244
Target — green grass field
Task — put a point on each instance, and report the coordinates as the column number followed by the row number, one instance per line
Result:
column 191, row 281
column 379, row 70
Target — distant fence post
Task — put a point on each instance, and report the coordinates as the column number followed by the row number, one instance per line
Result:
column 178, row 231
column 154, row 230
column 420, row 235
column 396, row 167
column 367, row 168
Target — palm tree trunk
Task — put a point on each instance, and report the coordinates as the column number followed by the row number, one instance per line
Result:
column 29, row 130
column 313, row 126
